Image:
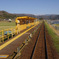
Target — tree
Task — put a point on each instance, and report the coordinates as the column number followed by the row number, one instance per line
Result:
column 40, row 18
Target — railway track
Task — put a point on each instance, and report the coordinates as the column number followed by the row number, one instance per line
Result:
column 45, row 52
column 39, row 47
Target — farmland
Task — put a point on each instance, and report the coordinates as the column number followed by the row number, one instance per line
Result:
column 6, row 25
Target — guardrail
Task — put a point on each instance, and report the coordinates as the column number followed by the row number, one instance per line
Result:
column 9, row 33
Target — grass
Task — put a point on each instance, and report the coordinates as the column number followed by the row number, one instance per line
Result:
column 57, row 24
column 6, row 25
column 55, row 38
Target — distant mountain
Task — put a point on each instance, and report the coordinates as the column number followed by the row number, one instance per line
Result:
column 6, row 15
column 30, row 15
column 53, row 17
column 2, row 12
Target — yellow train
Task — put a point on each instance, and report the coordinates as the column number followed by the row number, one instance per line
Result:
column 23, row 22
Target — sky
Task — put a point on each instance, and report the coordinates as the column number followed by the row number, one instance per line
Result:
column 37, row 7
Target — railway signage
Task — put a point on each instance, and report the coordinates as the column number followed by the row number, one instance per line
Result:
column 4, row 56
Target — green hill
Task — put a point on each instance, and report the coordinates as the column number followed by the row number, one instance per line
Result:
column 6, row 15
